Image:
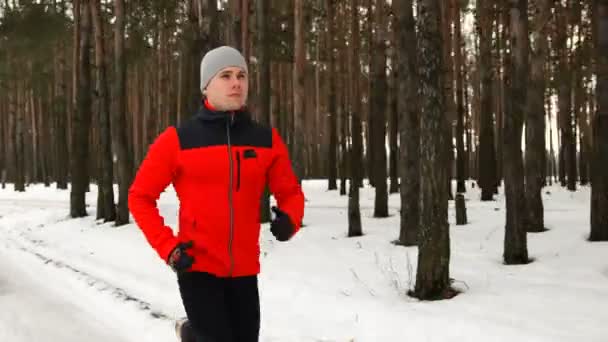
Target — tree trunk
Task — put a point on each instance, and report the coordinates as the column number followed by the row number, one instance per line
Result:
column 4, row 153
column 448, row 86
column 487, row 156
column 299, row 89
column 469, row 122
column 106, row 178
column 10, row 133
column 81, row 120
column 34, row 133
column 356, row 164
column 535, row 120
column 393, row 131
column 599, row 180
column 515, row 244
column 342, row 128
column 433, row 275
column 332, row 158
column 15, row 137
column 119, row 128
column 565, row 100
column 378, row 112
column 19, row 141
column 60, row 113
column 244, row 27
column 73, row 108
column 263, row 56
column 368, row 123
column 501, row 99
column 460, row 154
column 552, row 168
column 409, row 122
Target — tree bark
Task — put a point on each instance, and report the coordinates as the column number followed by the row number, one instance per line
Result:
column 4, row 153
column 244, row 28
column 409, row 123
column 460, row 154
column 433, row 275
column 81, row 119
column 356, row 164
column 535, row 119
column 119, row 128
column 299, row 90
column 106, row 178
column 393, row 126
column 332, row 158
column 599, row 180
column 19, row 141
column 378, row 112
column 515, row 243
column 60, row 123
column 487, row 156
column 448, row 86
column 263, row 56
column 568, row 142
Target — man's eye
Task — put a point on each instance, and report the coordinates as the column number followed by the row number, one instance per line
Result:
column 241, row 77
column 225, row 76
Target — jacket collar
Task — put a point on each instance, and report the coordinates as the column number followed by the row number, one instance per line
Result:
column 209, row 114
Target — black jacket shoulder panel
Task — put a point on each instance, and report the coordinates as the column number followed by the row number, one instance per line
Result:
column 196, row 133
column 251, row 133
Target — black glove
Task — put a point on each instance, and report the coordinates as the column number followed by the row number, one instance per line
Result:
column 179, row 260
column 281, row 227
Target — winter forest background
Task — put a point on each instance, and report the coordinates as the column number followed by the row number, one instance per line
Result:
column 509, row 96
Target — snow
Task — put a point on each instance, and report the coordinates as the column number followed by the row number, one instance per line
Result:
column 65, row 278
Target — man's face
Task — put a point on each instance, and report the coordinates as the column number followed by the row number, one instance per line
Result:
column 228, row 89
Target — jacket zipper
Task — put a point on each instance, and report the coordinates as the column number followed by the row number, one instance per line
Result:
column 238, row 170
column 230, row 194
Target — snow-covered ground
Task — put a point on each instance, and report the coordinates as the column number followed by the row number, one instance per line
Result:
column 63, row 279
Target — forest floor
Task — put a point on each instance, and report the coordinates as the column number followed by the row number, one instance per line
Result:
column 63, row 278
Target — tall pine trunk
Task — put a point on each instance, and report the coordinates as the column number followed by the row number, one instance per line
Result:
column 264, row 88
column 297, row 145
column 409, row 123
column 106, row 178
column 599, row 180
column 487, row 155
column 356, row 163
column 119, row 118
column 515, row 243
column 535, row 120
column 460, row 154
column 568, row 142
column 393, row 126
column 332, row 158
column 82, row 118
column 378, row 112
column 60, row 123
column 433, row 274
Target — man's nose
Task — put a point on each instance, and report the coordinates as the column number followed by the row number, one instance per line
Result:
column 236, row 83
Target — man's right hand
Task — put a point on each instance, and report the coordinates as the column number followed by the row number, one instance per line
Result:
column 179, row 260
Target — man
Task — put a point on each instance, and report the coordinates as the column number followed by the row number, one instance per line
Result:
column 219, row 163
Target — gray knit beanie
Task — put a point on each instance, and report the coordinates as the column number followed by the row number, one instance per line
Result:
column 218, row 59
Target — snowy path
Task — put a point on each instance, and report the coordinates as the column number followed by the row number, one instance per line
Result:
column 39, row 312
column 45, row 298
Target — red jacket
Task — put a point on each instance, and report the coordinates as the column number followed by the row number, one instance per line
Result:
column 219, row 164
